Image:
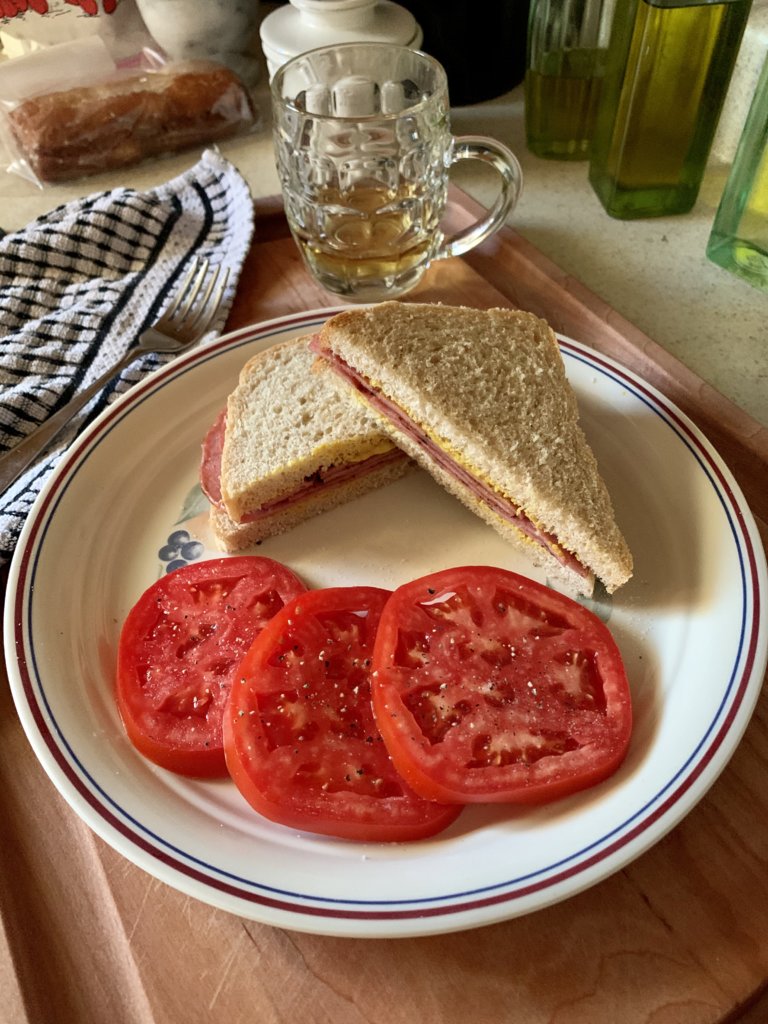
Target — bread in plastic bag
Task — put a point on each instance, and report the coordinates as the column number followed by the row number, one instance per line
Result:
column 122, row 118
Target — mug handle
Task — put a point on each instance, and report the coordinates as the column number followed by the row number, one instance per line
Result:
column 480, row 147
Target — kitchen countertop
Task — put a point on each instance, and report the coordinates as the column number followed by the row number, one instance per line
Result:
column 676, row 936
column 653, row 272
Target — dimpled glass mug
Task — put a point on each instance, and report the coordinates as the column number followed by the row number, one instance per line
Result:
column 363, row 146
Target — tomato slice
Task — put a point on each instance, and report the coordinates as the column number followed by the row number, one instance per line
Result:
column 490, row 687
column 300, row 738
column 179, row 648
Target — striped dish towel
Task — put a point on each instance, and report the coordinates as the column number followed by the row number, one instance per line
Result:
column 78, row 286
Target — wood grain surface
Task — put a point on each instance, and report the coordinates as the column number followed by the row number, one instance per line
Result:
column 678, row 937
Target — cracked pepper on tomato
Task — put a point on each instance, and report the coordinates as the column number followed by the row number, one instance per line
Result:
column 179, row 649
column 489, row 687
column 299, row 733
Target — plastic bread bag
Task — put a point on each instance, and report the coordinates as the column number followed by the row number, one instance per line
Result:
column 70, row 111
column 29, row 25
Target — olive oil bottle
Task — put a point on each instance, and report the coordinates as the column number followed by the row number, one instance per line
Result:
column 667, row 71
column 561, row 97
column 567, row 44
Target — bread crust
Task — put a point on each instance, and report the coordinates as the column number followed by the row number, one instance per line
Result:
column 489, row 388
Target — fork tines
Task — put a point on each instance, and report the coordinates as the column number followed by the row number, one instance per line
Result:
column 184, row 308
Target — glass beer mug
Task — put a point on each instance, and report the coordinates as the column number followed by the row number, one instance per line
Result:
column 363, row 147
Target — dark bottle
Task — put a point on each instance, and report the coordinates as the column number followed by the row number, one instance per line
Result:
column 480, row 45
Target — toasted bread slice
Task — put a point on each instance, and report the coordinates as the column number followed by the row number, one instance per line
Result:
column 481, row 400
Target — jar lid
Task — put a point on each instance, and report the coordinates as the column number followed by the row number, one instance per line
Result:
column 307, row 24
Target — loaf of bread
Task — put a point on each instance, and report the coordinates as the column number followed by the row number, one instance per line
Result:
column 90, row 129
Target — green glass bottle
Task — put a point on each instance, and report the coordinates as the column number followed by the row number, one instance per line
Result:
column 567, row 44
column 739, row 237
column 667, row 71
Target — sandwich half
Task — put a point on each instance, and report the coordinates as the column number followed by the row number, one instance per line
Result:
column 481, row 400
column 288, row 446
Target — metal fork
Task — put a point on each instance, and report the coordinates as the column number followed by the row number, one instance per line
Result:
column 184, row 322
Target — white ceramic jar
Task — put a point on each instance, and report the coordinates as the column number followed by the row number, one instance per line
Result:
column 225, row 31
column 305, row 25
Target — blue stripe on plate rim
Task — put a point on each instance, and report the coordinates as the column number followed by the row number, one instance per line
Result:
column 250, row 891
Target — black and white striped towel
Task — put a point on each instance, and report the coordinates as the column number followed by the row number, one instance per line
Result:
column 78, row 286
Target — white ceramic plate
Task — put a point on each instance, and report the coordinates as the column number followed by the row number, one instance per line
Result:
column 688, row 624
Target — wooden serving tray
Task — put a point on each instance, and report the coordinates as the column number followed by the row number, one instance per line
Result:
column 678, row 937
